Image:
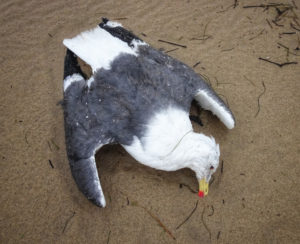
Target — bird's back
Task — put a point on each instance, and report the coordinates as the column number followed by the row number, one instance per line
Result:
column 136, row 87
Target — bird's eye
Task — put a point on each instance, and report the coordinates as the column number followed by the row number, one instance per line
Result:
column 212, row 167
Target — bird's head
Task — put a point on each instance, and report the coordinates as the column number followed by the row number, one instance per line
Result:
column 202, row 156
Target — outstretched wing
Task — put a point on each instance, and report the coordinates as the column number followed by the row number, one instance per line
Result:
column 98, row 47
column 209, row 100
column 83, row 136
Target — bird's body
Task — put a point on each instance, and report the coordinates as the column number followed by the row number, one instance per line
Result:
column 137, row 97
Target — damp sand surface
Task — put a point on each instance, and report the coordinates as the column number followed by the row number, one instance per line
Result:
column 253, row 199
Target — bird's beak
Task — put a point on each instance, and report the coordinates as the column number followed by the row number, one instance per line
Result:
column 203, row 188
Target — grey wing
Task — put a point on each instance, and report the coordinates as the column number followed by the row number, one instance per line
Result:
column 209, row 100
column 83, row 136
column 186, row 84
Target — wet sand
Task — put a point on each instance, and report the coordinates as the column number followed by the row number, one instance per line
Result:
column 255, row 199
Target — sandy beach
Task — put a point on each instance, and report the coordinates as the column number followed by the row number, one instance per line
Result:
column 250, row 56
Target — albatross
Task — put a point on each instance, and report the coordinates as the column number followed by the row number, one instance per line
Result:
column 137, row 97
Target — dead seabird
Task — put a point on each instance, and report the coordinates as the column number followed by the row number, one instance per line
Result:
column 140, row 98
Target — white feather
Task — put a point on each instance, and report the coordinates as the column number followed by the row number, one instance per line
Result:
column 113, row 24
column 90, row 81
column 209, row 103
column 99, row 48
column 70, row 79
column 97, row 182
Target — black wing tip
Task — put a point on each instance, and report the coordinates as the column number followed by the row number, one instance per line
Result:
column 104, row 22
column 119, row 32
column 71, row 65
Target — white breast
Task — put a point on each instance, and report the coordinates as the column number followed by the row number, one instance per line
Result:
column 164, row 131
